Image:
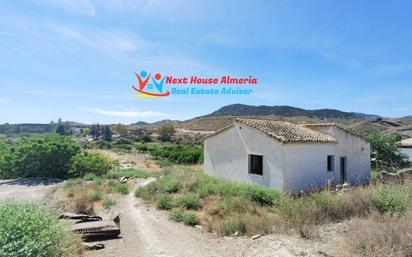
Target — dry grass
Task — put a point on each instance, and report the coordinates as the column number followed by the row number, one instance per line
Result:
column 381, row 235
column 226, row 207
column 80, row 202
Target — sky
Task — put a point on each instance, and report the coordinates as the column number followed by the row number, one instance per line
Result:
column 75, row 59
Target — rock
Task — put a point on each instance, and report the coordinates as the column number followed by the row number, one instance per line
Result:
column 198, row 226
column 93, row 246
column 256, row 236
column 235, row 234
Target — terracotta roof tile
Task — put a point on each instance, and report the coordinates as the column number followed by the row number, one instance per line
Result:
column 287, row 132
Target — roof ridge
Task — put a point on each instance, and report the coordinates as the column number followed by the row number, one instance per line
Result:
column 287, row 132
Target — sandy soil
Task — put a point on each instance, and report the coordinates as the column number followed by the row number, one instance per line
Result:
column 148, row 232
column 138, row 161
column 30, row 190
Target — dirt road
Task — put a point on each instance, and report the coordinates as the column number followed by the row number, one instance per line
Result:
column 148, row 232
column 30, row 190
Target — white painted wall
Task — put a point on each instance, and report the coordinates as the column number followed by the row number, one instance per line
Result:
column 286, row 167
column 357, row 151
column 226, row 156
column 306, row 166
column 407, row 151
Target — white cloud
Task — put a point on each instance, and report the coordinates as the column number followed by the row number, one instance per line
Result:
column 85, row 7
column 119, row 40
column 125, row 114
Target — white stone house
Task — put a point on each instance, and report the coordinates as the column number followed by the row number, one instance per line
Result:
column 285, row 156
column 405, row 146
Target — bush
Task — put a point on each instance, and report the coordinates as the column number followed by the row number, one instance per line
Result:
column 260, row 194
column 189, row 201
column 38, row 157
column 90, row 162
column 30, row 230
column 390, row 199
column 122, row 141
column 168, row 184
column 232, row 225
column 146, row 192
column 121, row 188
column 96, row 196
column 180, row 154
column 205, row 186
column 385, row 153
column 190, row 219
column 108, row 202
column 141, row 147
column 164, row 202
column 177, row 214
column 89, row 176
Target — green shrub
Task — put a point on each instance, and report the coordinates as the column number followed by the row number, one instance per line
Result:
column 232, row 225
column 177, row 214
column 89, row 176
column 30, row 230
column 331, row 207
column 181, row 154
column 71, row 183
column 141, row 147
column 38, row 157
column 96, row 196
column 164, row 202
column 390, row 199
column 190, row 219
column 205, row 186
column 121, row 188
column 260, row 194
column 91, row 163
column 385, row 153
column 108, row 202
column 189, row 201
column 227, row 188
column 122, row 141
column 168, row 184
column 146, row 192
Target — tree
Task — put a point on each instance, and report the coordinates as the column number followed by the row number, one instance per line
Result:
column 107, row 133
column 89, row 162
column 385, row 153
column 95, row 131
column 98, row 130
column 166, row 132
column 38, row 157
column 60, row 129
column 120, row 129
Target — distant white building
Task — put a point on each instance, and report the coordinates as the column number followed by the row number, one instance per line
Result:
column 405, row 146
column 286, row 156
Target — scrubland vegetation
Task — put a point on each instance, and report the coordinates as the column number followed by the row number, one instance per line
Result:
column 50, row 156
column 379, row 217
column 231, row 208
column 95, row 190
column 31, row 230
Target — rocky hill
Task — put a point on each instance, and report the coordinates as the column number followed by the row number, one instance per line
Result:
column 287, row 111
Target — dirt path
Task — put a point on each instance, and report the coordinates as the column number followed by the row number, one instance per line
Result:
column 30, row 189
column 148, row 232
